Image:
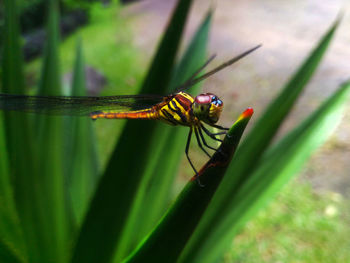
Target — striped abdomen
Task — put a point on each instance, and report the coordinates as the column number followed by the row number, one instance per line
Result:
column 174, row 110
column 149, row 113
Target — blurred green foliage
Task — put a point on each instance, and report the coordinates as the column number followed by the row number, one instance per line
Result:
column 31, row 12
column 110, row 54
column 300, row 225
column 53, row 192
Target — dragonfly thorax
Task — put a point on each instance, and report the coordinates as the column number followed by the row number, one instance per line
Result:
column 207, row 107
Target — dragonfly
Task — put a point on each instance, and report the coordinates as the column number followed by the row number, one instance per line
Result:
column 178, row 108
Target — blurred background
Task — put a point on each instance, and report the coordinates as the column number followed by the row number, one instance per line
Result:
column 288, row 31
column 311, row 215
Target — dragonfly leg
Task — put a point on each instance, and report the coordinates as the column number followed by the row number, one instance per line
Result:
column 187, row 148
column 205, row 143
column 212, row 135
column 188, row 157
column 219, row 127
column 199, row 142
column 203, row 140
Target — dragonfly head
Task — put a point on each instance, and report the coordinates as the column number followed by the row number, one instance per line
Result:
column 207, row 107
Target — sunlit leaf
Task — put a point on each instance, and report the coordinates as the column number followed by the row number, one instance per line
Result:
column 204, row 245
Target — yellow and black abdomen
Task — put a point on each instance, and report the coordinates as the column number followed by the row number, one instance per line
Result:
column 174, row 110
column 177, row 110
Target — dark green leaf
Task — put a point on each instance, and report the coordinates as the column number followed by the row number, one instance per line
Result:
column 11, row 239
column 154, row 191
column 111, row 204
column 20, row 162
column 166, row 242
column 7, row 256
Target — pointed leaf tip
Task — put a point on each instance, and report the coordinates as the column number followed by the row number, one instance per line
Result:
column 247, row 113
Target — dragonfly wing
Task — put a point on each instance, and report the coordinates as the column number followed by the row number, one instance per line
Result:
column 194, row 79
column 188, row 83
column 74, row 105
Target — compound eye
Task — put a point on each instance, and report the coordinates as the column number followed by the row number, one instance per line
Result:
column 203, row 99
column 214, row 98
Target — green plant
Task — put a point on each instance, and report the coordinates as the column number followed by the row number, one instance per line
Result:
column 115, row 217
column 296, row 226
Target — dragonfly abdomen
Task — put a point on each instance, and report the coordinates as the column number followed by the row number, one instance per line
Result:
column 174, row 110
column 139, row 114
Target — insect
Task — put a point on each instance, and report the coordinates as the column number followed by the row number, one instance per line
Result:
column 179, row 108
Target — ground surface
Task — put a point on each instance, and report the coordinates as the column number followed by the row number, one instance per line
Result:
column 288, row 31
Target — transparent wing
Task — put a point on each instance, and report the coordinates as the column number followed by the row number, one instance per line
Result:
column 194, row 79
column 74, row 105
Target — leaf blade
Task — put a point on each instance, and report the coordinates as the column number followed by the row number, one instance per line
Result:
column 80, row 150
column 115, row 189
column 154, row 190
column 21, row 160
column 53, row 217
column 251, row 151
column 278, row 165
column 166, row 242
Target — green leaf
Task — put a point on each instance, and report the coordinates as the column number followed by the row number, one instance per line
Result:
column 267, row 126
column 80, row 150
column 11, row 239
column 6, row 255
column 111, row 204
column 286, row 158
column 50, row 83
column 53, row 217
column 154, row 190
column 205, row 238
column 278, row 165
column 166, row 242
column 20, row 161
